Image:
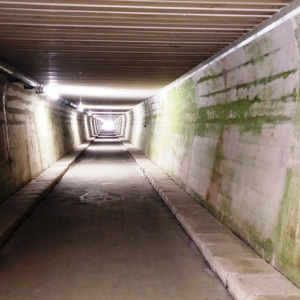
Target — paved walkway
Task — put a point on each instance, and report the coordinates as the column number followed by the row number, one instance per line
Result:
column 104, row 233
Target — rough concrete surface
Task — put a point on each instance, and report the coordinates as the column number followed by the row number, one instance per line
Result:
column 242, row 271
column 18, row 207
column 35, row 132
column 103, row 233
column 229, row 135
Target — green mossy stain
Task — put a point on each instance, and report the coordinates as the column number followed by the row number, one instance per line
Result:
column 267, row 80
column 263, row 246
column 183, row 111
column 259, row 60
column 171, row 132
column 208, row 206
column 214, row 189
column 262, row 81
column 258, row 47
column 284, row 98
column 234, row 113
column 211, row 77
column 286, row 239
column 147, row 113
column 218, row 157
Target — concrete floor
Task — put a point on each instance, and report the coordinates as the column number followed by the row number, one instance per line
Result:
column 104, row 233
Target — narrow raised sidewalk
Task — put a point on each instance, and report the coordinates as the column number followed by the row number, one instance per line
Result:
column 243, row 272
column 15, row 210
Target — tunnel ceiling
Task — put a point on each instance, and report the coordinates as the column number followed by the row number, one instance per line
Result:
column 135, row 44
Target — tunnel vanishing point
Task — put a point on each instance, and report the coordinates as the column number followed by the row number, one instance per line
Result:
column 149, row 149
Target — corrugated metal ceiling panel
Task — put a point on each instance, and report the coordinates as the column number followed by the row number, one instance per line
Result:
column 134, row 44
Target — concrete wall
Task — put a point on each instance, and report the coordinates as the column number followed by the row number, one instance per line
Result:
column 34, row 134
column 230, row 136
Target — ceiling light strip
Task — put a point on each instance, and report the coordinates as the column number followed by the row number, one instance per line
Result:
column 167, row 7
column 183, row 14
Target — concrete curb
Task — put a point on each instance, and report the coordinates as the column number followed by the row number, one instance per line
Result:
column 243, row 272
column 15, row 210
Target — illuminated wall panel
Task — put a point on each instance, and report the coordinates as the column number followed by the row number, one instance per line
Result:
column 34, row 134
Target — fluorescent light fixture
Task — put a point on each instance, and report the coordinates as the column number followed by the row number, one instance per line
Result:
column 108, row 115
column 52, row 92
column 103, row 92
column 112, row 106
column 80, row 107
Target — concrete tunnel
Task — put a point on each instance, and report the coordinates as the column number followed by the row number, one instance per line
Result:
column 149, row 149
